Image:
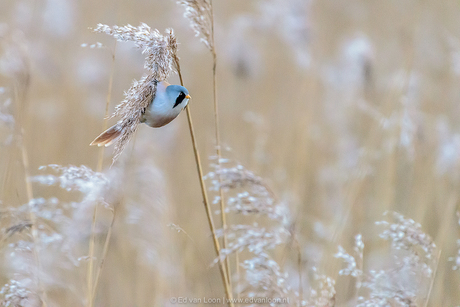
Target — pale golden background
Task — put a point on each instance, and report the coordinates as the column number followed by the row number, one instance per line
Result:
column 346, row 108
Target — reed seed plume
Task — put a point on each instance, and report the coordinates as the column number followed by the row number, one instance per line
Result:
column 456, row 259
column 199, row 12
column 14, row 59
column 323, row 295
column 159, row 49
column 292, row 160
column 264, row 276
column 7, row 120
column 354, row 264
column 15, row 293
column 161, row 59
column 406, row 234
column 406, row 281
column 74, row 178
column 56, row 221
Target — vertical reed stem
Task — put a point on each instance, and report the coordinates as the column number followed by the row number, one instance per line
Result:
column 20, row 113
column 89, row 278
column 237, row 265
column 205, row 196
column 104, row 253
column 218, row 145
column 32, row 217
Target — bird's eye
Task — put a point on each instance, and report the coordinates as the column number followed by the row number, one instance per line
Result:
column 179, row 99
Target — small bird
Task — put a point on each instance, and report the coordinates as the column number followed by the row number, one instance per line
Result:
column 169, row 101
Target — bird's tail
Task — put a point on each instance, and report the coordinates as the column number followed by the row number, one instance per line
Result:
column 107, row 137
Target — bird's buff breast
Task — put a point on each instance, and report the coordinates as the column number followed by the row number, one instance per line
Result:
column 158, row 120
column 160, row 114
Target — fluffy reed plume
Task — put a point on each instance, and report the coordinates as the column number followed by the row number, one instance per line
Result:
column 199, row 12
column 291, row 20
column 161, row 59
column 57, row 238
column 408, row 235
column 263, row 275
column 16, row 293
column 456, row 259
column 7, row 121
column 75, row 178
column 160, row 49
column 258, row 241
column 406, row 281
column 354, row 266
column 14, row 61
column 323, row 295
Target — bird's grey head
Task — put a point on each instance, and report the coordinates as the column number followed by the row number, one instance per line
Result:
column 178, row 94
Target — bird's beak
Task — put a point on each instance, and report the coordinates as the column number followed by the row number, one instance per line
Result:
column 188, row 97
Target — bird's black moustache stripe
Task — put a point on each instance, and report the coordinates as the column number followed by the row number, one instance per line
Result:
column 179, row 99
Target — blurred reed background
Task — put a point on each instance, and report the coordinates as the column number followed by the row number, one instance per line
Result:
column 343, row 109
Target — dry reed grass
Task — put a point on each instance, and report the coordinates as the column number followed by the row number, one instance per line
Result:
column 339, row 113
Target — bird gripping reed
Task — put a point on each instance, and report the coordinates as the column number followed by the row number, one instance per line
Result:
column 161, row 61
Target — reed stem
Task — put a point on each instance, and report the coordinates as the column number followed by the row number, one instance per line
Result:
column 218, row 145
column 20, row 113
column 89, row 278
column 104, row 254
column 205, row 196
column 33, row 218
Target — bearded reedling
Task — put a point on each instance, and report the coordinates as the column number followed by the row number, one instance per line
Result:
column 168, row 102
